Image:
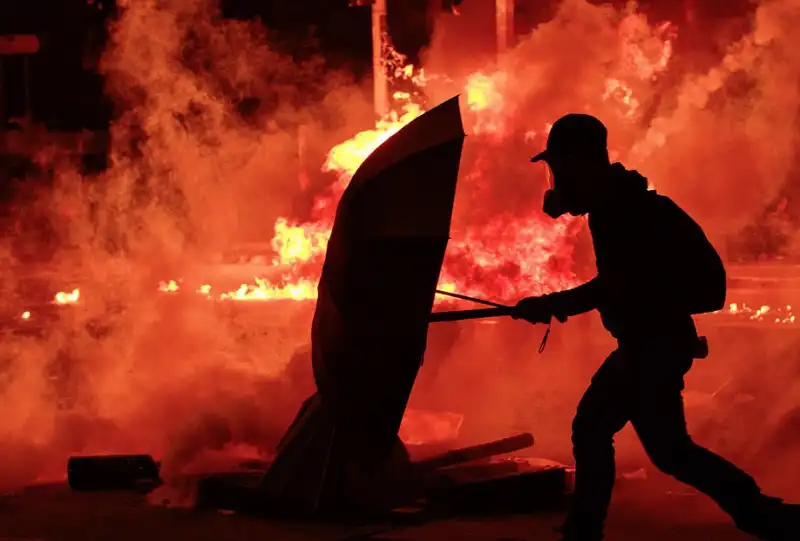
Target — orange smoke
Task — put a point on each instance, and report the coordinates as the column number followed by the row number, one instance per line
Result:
column 502, row 259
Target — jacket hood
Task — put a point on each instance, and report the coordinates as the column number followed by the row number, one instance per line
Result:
column 627, row 180
column 622, row 187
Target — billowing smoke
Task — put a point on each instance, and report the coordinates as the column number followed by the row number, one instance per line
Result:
column 204, row 154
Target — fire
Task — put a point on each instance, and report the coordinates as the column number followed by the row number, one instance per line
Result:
column 346, row 157
column 68, row 298
column 503, row 258
column 259, row 290
column 506, row 257
column 646, row 56
column 265, row 291
column 482, row 93
column 623, row 94
column 170, row 286
column 296, row 243
column 484, row 98
column 765, row 313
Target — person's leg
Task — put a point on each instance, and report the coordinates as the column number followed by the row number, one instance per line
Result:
column 659, row 420
column 601, row 414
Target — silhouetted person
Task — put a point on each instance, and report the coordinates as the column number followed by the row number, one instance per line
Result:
column 655, row 269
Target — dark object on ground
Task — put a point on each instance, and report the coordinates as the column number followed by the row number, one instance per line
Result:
column 476, row 452
column 461, row 481
column 113, row 472
column 342, row 454
column 499, row 487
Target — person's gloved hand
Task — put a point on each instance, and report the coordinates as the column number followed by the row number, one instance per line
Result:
column 533, row 310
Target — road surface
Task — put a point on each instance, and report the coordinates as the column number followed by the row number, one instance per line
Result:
column 653, row 510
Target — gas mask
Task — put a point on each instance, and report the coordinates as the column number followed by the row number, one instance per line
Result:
column 553, row 200
column 553, row 204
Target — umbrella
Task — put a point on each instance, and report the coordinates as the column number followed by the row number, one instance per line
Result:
column 370, row 326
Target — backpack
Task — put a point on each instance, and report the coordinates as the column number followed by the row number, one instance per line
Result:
column 700, row 278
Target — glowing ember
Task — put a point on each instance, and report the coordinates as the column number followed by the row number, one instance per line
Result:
column 68, row 298
column 782, row 314
column 168, row 287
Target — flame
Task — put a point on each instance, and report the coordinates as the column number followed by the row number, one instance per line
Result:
column 764, row 313
column 622, row 93
column 170, row 286
column 297, row 243
column 484, row 96
column 346, row 157
column 501, row 259
column 68, row 298
column 644, row 57
column 643, row 51
column 266, row 291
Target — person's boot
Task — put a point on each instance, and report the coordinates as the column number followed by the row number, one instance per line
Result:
column 771, row 519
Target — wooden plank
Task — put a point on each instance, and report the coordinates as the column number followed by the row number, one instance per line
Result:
column 477, row 452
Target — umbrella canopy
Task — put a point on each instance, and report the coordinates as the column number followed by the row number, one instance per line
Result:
column 383, row 262
column 375, row 298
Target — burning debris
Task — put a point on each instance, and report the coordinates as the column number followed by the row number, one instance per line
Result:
column 482, row 260
column 781, row 314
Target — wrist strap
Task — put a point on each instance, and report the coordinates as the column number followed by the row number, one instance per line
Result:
column 544, row 338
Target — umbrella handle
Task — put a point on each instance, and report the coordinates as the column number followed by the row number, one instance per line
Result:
column 482, row 313
column 470, row 299
column 465, row 315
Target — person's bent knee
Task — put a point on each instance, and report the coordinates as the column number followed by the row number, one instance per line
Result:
column 583, row 424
